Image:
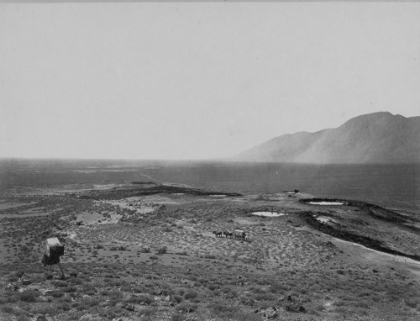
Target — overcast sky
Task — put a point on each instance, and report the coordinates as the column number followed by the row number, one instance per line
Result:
column 197, row 80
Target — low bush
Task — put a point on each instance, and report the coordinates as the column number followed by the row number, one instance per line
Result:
column 28, row 296
column 140, row 289
column 412, row 302
column 190, row 295
column 23, row 317
column 57, row 294
column 7, row 309
column 162, row 250
column 224, row 311
column 115, row 295
column 247, row 301
column 113, row 313
column 70, row 289
column 148, row 311
column 13, row 278
column 59, row 283
column 44, row 309
column 12, row 299
column 64, row 307
column 19, row 274
column 75, row 281
column 243, row 316
column 178, row 317
column 212, row 287
column 186, row 307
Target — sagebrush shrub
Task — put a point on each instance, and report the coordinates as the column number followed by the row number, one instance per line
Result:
column 190, row 295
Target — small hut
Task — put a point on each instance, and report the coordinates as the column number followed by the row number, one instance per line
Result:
column 53, row 250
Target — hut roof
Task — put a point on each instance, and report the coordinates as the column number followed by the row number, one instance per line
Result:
column 53, row 242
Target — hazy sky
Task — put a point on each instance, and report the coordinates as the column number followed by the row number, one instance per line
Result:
column 197, row 80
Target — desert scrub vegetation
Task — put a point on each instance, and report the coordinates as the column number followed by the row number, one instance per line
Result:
column 28, row 296
column 211, row 283
column 141, row 299
column 162, row 250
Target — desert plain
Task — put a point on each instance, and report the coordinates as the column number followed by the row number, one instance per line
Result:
column 146, row 250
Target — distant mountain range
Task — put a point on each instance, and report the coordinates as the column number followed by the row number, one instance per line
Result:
column 373, row 138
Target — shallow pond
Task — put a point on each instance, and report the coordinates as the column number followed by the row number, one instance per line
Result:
column 326, row 203
column 268, row 214
column 325, row 219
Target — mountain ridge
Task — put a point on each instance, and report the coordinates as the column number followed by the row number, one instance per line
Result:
column 371, row 138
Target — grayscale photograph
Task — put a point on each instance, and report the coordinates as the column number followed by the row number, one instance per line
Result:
column 209, row 160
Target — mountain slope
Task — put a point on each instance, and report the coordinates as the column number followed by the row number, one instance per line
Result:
column 372, row 138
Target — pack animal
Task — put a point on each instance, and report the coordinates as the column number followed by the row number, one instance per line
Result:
column 228, row 234
column 217, row 234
